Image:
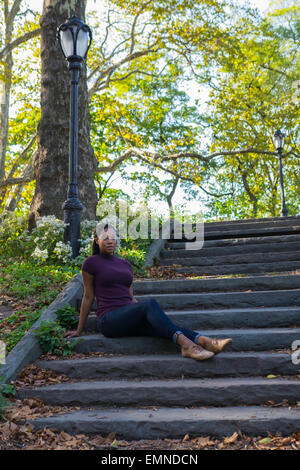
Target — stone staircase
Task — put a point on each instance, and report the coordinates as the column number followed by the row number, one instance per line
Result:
column 146, row 390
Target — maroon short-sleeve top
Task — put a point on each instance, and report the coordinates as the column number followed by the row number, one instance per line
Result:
column 113, row 277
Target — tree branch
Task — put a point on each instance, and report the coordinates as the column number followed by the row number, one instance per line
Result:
column 9, row 47
column 13, row 181
column 217, row 154
column 14, row 10
column 142, row 155
column 21, row 156
column 100, row 83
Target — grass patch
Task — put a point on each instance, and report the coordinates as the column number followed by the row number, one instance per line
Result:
column 32, row 288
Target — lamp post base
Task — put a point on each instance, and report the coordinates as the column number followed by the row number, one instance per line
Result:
column 72, row 209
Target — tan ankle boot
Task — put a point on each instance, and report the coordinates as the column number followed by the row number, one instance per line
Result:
column 214, row 345
column 196, row 352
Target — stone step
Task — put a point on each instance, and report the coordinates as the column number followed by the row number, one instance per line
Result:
column 250, row 224
column 159, row 423
column 231, row 259
column 163, row 366
column 214, row 300
column 231, row 250
column 248, row 339
column 246, row 268
column 242, row 232
column 229, row 318
column 234, row 284
column 280, row 220
column 233, row 242
column 188, row 392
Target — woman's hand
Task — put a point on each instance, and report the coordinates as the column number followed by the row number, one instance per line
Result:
column 71, row 334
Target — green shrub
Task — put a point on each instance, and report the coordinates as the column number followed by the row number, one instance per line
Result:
column 66, row 317
column 6, row 390
column 51, row 340
column 13, row 238
column 45, row 244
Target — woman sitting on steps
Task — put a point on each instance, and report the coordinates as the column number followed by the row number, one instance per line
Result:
column 109, row 278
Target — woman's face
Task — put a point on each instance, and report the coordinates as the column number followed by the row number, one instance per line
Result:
column 107, row 242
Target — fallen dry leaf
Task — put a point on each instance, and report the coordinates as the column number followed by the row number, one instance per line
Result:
column 203, row 441
column 231, row 439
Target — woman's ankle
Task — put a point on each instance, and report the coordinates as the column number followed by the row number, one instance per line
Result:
column 184, row 342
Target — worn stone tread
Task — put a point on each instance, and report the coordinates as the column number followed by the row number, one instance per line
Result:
column 256, row 317
column 286, row 220
column 242, row 231
column 214, row 300
column 277, row 298
column 243, row 339
column 240, row 241
column 164, row 422
column 169, row 254
column 280, row 282
column 241, row 258
column 151, row 366
column 254, row 268
column 188, row 392
column 267, row 222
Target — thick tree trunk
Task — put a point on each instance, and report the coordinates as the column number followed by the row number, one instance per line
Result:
column 52, row 162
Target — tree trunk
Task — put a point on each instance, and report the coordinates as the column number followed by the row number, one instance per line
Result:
column 52, row 162
column 4, row 113
column 5, row 88
column 170, row 196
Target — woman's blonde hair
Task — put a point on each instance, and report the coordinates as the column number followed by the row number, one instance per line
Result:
column 99, row 232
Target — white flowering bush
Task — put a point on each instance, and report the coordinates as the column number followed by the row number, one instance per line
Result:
column 87, row 228
column 13, row 237
column 40, row 254
column 48, row 240
column 63, row 251
column 45, row 244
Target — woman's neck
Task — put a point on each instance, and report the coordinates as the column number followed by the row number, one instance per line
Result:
column 106, row 255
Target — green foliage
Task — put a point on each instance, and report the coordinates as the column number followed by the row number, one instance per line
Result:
column 19, row 327
column 66, row 317
column 48, row 239
column 142, row 61
column 45, row 244
column 50, row 338
column 37, row 285
column 255, row 96
column 13, row 240
column 6, row 390
column 26, row 278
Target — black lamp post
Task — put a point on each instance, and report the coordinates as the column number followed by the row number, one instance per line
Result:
column 278, row 141
column 74, row 38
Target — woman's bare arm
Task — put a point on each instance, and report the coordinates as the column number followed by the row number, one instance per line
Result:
column 86, row 304
column 131, row 293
